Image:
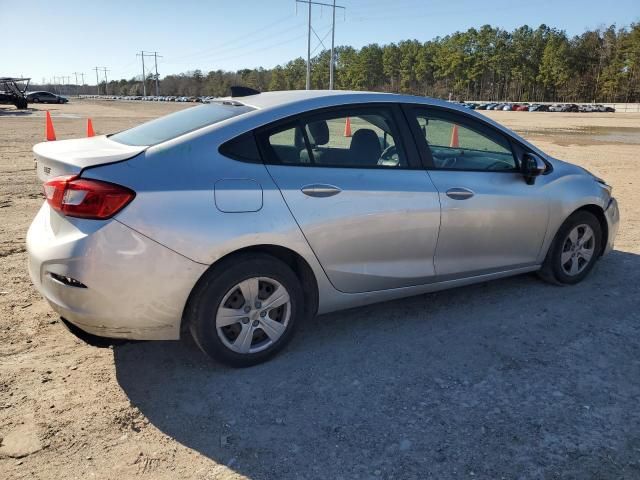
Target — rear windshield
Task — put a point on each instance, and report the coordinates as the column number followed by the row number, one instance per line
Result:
column 178, row 123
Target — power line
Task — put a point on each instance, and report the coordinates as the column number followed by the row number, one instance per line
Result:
column 254, row 50
column 213, row 56
column 216, row 50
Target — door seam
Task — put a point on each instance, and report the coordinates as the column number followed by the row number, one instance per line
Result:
column 300, row 228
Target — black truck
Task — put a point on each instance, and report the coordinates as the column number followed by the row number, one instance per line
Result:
column 12, row 91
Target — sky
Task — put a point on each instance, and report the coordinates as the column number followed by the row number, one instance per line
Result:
column 43, row 39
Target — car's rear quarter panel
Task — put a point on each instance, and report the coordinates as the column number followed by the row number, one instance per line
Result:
column 175, row 203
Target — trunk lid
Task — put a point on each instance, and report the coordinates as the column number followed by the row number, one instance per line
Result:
column 70, row 157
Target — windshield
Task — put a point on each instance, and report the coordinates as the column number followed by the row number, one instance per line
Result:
column 178, row 123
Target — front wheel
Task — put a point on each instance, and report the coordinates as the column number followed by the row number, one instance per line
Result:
column 245, row 310
column 574, row 251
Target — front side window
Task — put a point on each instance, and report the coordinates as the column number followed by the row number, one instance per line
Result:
column 460, row 147
column 357, row 137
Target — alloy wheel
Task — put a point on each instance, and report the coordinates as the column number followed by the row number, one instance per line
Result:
column 577, row 250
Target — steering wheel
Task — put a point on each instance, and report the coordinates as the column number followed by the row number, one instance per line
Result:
column 389, row 153
column 449, row 162
column 497, row 163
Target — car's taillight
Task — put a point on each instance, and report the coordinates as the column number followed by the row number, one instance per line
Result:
column 85, row 198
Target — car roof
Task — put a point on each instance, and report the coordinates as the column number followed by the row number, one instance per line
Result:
column 277, row 99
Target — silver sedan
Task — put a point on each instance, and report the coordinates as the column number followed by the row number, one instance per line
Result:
column 238, row 219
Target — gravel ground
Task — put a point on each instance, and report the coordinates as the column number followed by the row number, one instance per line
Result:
column 512, row 379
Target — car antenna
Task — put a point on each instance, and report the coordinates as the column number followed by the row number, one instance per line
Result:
column 239, row 91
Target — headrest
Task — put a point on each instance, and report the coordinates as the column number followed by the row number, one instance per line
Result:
column 318, row 133
column 365, row 147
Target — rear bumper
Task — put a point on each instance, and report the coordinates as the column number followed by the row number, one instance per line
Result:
column 132, row 287
column 613, row 221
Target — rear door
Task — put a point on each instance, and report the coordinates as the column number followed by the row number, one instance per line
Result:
column 491, row 219
column 353, row 181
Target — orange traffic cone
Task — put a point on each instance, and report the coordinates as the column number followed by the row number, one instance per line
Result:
column 455, row 143
column 347, row 127
column 49, row 131
column 90, row 132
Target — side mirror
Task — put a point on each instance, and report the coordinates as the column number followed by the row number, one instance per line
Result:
column 532, row 167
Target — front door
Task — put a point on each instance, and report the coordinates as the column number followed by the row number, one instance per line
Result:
column 491, row 219
column 353, row 182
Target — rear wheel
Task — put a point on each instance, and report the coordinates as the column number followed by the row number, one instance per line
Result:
column 246, row 309
column 21, row 103
column 574, row 251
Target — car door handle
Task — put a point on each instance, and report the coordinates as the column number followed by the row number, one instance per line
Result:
column 459, row 193
column 320, row 190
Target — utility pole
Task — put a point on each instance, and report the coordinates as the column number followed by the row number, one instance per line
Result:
column 155, row 56
column 106, row 91
column 333, row 35
column 333, row 39
column 97, row 80
column 144, row 78
column 309, row 50
column 155, row 59
column 77, row 87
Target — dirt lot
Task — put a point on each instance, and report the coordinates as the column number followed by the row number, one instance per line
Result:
column 514, row 379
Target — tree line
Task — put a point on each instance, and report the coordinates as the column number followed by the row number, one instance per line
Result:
column 542, row 64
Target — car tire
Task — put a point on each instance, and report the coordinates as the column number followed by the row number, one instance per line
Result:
column 218, row 313
column 35, row 100
column 21, row 103
column 574, row 250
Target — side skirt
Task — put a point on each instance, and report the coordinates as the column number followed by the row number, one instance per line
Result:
column 333, row 301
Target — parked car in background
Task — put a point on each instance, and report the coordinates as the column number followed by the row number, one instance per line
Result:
column 237, row 219
column 538, row 108
column 569, row 107
column 45, row 97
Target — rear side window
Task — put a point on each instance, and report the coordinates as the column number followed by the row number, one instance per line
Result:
column 242, row 148
column 178, row 123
